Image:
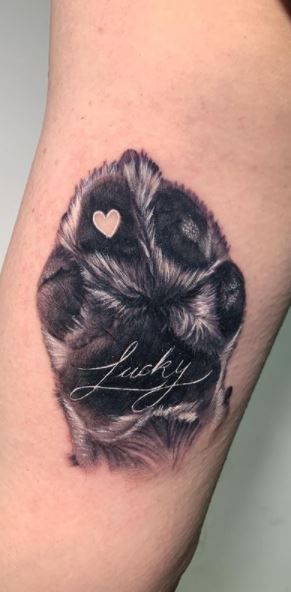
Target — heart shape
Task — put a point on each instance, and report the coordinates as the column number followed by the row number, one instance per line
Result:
column 108, row 223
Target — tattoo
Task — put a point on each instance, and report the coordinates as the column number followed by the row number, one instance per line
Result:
column 141, row 308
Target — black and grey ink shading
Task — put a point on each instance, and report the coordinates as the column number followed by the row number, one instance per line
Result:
column 141, row 307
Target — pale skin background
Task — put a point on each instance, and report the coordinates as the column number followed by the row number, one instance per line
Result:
column 216, row 115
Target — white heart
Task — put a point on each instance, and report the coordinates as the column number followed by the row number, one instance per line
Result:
column 107, row 223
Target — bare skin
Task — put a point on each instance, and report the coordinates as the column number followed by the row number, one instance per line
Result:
column 205, row 90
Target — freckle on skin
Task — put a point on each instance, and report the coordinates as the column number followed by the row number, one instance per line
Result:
column 44, row 150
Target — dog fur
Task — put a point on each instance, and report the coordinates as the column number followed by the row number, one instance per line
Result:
column 165, row 281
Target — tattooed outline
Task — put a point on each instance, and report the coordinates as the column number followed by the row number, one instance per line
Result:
column 139, row 260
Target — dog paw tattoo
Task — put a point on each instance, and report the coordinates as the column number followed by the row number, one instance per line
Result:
column 141, row 307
